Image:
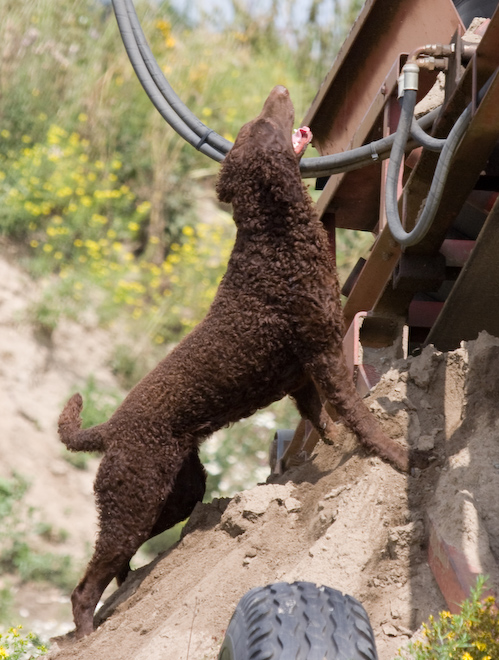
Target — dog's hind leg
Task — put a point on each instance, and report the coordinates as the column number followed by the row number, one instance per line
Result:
column 330, row 374
column 188, row 490
column 130, row 496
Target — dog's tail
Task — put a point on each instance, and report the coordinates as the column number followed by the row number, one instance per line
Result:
column 72, row 435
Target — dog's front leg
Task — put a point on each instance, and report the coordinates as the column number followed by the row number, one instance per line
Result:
column 330, row 374
column 310, row 406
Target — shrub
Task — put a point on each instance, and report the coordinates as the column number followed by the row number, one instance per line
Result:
column 473, row 634
column 14, row 646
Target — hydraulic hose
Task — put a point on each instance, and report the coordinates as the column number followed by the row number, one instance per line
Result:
column 207, row 141
column 208, row 135
column 175, row 120
column 354, row 159
column 424, row 140
column 427, row 215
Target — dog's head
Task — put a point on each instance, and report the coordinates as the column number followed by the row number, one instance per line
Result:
column 263, row 149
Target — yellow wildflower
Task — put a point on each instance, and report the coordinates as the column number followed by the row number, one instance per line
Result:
column 144, row 207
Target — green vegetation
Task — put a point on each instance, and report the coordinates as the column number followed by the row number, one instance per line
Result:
column 95, row 189
column 16, row 646
column 20, row 533
column 472, row 634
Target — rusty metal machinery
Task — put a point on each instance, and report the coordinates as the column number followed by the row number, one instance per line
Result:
column 443, row 288
column 430, row 287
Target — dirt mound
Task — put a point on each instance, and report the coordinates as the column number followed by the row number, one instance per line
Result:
column 343, row 519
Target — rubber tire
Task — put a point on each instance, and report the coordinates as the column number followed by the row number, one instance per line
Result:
column 298, row 621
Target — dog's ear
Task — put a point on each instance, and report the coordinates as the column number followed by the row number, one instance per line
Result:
column 226, row 184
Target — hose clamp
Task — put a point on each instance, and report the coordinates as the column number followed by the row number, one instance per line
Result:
column 204, row 138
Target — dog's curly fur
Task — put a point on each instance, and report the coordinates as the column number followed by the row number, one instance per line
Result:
column 274, row 328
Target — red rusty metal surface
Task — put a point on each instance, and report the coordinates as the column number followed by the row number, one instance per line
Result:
column 382, row 31
column 374, row 276
column 423, row 313
column 453, row 570
column 456, row 252
column 472, row 304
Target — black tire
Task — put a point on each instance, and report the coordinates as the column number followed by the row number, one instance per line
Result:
column 298, row 621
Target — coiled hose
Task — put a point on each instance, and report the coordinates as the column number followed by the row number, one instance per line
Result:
column 451, row 143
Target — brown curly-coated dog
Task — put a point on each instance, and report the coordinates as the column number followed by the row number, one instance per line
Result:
column 274, row 328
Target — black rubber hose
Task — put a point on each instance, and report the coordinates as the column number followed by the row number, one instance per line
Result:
column 354, row 159
column 163, row 107
column 452, row 141
column 206, row 134
column 424, row 140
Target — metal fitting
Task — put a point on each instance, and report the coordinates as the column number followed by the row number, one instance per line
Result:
column 411, row 75
column 431, row 63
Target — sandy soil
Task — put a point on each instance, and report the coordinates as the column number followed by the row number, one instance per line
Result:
column 344, row 519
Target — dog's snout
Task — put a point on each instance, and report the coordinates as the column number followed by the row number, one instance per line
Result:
column 279, row 107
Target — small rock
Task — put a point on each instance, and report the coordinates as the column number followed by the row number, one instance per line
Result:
column 425, row 443
column 292, row 505
column 389, row 630
column 335, row 492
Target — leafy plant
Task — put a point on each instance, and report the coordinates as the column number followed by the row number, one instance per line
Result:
column 15, row 646
column 472, row 634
